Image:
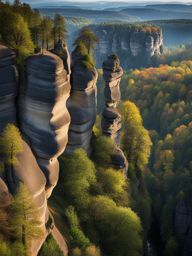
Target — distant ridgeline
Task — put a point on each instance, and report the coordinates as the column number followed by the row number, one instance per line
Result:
column 136, row 44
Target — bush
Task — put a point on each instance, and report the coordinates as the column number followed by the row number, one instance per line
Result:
column 79, row 173
column 4, row 249
column 119, row 227
column 50, row 248
column 78, row 237
column 103, row 149
column 113, row 184
column 92, row 251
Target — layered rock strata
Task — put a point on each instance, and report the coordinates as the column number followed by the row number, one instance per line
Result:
column 8, row 87
column 111, row 118
column 39, row 111
column 136, row 45
column 61, row 50
column 44, row 118
column 81, row 105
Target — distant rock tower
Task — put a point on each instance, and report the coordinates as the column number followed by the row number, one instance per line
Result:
column 81, row 104
column 111, row 118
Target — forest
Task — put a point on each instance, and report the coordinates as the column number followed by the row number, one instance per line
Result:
column 98, row 209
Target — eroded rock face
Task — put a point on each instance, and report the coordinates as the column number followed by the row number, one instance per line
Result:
column 81, row 106
column 44, row 118
column 61, row 50
column 8, row 87
column 135, row 46
column 41, row 115
column 111, row 118
column 183, row 225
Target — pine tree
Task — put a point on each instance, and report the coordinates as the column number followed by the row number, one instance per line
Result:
column 17, row 2
column 60, row 28
column 88, row 38
column 10, row 144
column 15, row 34
column 46, row 29
column 24, row 221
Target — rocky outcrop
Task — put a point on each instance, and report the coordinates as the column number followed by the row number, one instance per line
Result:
column 183, row 225
column 81, row 104
column 61, row 50
column 136, row 45
column 43, row 112
column 38, row 109
column 111, row 118
column 8, row 87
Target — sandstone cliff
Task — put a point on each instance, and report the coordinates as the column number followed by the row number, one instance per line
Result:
column 136, row 45
column 81, row 104
column 37, row 106
column 111, row 118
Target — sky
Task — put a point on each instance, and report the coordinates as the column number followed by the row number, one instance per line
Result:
column 127, row 1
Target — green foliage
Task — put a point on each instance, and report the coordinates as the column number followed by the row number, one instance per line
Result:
column 5, row 249
column 50, row 248
column 138, row 27
column 24, row 220
column 78, row 237
column 46, row 31
column 14, row 33
column 135, row 139
column 117, row 226
column 103, row 149
column 113, row 185
column 79, row 175
column 88, row 38
column 59, row 29
column 82, row 57
column 163, row 95
column 10, row 144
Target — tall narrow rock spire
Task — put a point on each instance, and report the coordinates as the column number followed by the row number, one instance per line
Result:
column 111, row 118
column 82, row 103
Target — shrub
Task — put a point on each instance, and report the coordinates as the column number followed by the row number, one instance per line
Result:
column 119, row 227
column 78, row 237
column 50, row 248
column 103, row 149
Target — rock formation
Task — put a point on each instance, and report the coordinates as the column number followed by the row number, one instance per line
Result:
column 8, row 87
column 183, row 225
column 81, row 104
column 43, row 112
column 41, row 115
column 136, row 45
column 111, row 118
column 61, row 50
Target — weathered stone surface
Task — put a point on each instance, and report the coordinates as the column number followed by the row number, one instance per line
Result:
column 61, row 50
column 111, row 118
column 44, row 118
column 81, row 106
column 8, row 87
column 135, row 45
column 183, row 225
column 43, row 121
